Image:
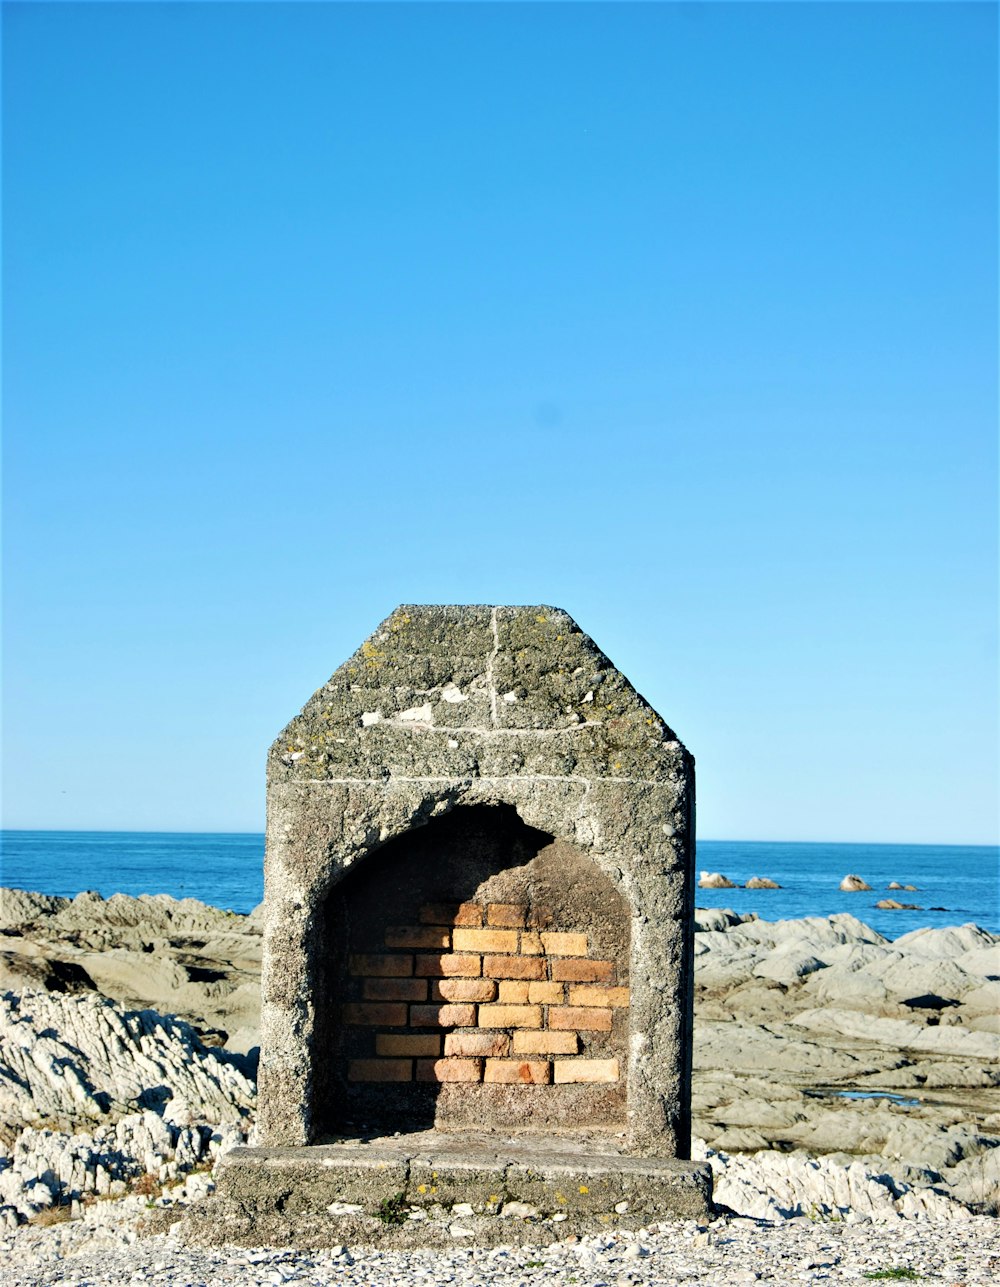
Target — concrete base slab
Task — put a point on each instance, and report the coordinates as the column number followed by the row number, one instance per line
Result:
column 433, row 1188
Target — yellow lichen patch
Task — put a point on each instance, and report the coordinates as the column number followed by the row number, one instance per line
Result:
column 370, row 653
column 584, row 1189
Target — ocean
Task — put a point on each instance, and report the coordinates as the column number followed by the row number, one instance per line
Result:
column 955, row 883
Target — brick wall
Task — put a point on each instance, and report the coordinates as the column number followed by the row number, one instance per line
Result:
column 483, row 994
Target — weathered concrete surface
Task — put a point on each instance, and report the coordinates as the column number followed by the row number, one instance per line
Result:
column 349, row 1191
column 449, row 707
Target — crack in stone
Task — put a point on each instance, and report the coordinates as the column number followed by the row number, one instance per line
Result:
column 490, row 681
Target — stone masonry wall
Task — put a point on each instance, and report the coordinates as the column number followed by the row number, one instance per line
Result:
column 467, row 707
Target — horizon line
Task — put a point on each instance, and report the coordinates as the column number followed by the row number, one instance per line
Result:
column 157, row 831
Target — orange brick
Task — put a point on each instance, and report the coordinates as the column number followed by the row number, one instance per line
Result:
column 420, row 936
column 477, row 1043
column 528, row 1072
column 463, row 990
column 514, row 967
column 580, row 1018
column 513, row 992
column 513, row 1016
column 599, row 996
column 449, row 966
column 511, row 915
column 546, row 993
column 469, row 914
column 446, row 1016
column 383, row 967
column 546, row 1043
column 539, row 918
column 555, row 944
column 589, row 1070
column 388, row 1043
column 449, row 1069
column 382, row 1014
column 472, row 940
column 394, row 990
column 531, row 944
column 583, row 971
column 380, row 1070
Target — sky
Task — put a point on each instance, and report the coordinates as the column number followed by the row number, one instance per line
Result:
column 682, row 317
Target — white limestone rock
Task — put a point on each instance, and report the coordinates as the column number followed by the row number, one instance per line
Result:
column 769, row 1185
column 82, row 1057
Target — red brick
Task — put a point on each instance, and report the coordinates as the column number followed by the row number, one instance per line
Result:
column 510, row 915
column 380, row 1070
column 546, row 993
column 583, row 971
column 579, row 1018
column 514, row 967
column 467, row 914
column 614, row 997
column 417, row 936
column 483, row 940
column 382, row 1014
column 443, row 1016
column 394, row 990
column 546, row 1043
column 448, row 965
column 586, row 1070
column 527, row 1072
column 383, row 967
column 449, row 1069
column 555, row 944
column 513, row 1016
column 477, row 1043
column 408, row 1043
column 463, row 990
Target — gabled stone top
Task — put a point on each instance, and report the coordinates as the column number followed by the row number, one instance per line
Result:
column 476, row 691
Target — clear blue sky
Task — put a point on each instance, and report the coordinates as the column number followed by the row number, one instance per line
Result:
column 681, row 317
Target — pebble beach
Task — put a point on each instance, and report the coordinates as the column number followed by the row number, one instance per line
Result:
column 728, row 1250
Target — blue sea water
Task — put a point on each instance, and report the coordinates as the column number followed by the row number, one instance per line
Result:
column 226, row 870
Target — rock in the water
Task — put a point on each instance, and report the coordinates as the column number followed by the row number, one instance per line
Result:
column 714, row 880
column 761, row 882
column 890, row 905
column 854, row 885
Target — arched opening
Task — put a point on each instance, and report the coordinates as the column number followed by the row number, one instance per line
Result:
column 473, row 974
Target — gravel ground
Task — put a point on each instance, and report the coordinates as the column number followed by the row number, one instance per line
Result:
column 729, row 1250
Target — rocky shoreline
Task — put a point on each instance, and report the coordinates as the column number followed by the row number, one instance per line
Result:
column 845, row 1086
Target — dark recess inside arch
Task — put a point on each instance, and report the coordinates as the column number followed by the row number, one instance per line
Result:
column 483, row 854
